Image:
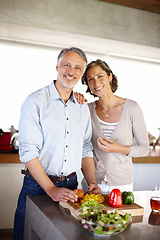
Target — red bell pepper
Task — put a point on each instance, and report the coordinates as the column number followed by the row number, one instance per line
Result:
column 115, row 198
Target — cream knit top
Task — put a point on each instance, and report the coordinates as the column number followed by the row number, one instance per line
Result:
column 130, row 131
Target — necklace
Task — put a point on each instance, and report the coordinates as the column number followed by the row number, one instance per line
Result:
column 113, row 107
column 107, row 113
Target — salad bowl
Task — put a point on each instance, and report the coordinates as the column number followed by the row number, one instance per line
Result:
column 102, row 221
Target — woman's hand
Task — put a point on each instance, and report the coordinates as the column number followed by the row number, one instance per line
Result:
column 80, row 98
column 110, row 146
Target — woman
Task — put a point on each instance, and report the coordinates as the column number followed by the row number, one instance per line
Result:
column 119, row 131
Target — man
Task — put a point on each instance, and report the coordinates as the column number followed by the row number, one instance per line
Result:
column 54, row 137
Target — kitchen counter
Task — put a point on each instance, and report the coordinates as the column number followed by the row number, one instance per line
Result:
column 48, row 220
column 9, row 157
column 153, row 157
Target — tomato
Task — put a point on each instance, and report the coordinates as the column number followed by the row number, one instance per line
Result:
column 79, row 193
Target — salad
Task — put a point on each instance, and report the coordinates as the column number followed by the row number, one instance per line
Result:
column 100, row 220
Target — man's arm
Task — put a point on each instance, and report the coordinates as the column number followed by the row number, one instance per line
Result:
column 88, row 170
column 57, row 194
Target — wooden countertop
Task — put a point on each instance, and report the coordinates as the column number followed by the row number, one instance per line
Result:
column 153, row 157
column 9, row 158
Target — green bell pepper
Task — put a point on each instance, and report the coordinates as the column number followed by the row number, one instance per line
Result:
column 127, row 198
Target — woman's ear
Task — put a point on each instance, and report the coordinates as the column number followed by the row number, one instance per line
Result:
column 110, row 77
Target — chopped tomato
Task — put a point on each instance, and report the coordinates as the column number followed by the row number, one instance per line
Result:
column 111, row 227
column 79, row 193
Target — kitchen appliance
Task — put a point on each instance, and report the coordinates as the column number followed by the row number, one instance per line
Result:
column 9, row 140
column 5, row 141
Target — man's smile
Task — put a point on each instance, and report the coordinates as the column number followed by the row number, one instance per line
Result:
column 70, row 78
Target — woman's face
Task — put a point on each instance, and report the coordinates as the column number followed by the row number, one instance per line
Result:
column 98, row 80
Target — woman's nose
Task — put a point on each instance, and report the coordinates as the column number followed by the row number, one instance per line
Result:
column 96, row 81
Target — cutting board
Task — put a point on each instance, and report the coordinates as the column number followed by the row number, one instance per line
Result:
column 135, row 210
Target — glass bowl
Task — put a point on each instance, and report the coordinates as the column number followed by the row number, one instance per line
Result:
column 102, row 221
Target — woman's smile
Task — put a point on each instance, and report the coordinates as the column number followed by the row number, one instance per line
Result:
column 98, row 89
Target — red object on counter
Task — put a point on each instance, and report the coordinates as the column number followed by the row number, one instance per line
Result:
column 115, row 198
column 5, row 144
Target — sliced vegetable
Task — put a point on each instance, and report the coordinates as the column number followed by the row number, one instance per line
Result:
column 115, row 198
column 79, row 192
column 96, row 197
column 90, row 203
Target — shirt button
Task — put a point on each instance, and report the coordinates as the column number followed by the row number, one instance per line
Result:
column 61, row 172
column 67, row 132
column 65, row 160
column 67, row 118
column 66, row 146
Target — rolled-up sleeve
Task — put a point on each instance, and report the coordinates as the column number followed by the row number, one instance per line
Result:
column 30, row 132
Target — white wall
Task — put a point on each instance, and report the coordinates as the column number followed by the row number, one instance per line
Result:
column 10, row 185
column 146, row 176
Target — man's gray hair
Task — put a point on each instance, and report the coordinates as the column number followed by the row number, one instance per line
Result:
column 72, row 49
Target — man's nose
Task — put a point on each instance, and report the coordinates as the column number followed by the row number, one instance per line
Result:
column 71, row 70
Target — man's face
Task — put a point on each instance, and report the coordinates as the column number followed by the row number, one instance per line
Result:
column 70, row 70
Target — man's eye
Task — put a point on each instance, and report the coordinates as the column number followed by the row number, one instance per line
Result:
column 78, row 68
column 66, row 65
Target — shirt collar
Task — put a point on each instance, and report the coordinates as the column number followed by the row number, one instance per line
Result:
column 55, row 95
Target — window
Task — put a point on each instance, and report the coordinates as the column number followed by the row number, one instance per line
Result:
column 26, row 68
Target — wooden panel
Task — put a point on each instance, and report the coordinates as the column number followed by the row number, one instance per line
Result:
column 147, row 5
column 148, row 159
column 135, row 210
column 9, row 158
column 153, row 157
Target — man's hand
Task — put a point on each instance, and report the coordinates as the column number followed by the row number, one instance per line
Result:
column 93, row 188
column 62, row 194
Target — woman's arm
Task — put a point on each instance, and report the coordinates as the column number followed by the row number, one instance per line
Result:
column 140, row 133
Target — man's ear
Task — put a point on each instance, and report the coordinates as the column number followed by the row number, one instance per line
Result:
column 57, row 67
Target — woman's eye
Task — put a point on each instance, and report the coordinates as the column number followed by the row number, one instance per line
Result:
column 100, row 76
column 89, row 79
